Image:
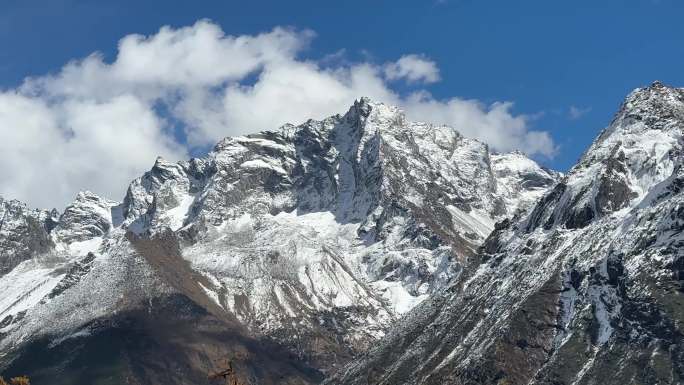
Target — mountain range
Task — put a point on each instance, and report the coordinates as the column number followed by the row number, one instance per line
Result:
column 363, row 249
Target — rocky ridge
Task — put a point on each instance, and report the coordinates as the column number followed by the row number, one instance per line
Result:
column 313, row 238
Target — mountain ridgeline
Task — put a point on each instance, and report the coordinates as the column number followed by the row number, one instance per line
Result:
column 586, row 288
column 362, row 249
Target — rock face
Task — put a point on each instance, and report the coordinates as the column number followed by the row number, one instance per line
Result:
column 289, row 252
column 88, row 217
column 23, row 233
column 586, row 288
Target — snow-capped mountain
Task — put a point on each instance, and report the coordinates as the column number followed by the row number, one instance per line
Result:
column 289, row 252
column 586, row 288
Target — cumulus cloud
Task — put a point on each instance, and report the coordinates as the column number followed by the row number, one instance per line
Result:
column 413, row 68
column 49, row 152
column 494, row 124
column 96, row 125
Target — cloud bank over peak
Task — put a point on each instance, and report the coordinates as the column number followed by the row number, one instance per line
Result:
column 96, row 125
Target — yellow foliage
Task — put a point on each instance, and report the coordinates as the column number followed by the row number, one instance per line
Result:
column 23, row 380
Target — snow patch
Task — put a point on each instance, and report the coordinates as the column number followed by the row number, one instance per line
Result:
column 256, row 164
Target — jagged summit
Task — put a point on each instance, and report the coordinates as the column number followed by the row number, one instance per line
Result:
column 650, row 105
column 88, row 216
column 637, row 151
column 363, row 106
column 23, row 233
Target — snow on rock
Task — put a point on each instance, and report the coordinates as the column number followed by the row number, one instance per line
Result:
column 520, row 180
column 24, row 233
column 583, row 288
column 317, row 236
column 24, row 287
column 89, row 216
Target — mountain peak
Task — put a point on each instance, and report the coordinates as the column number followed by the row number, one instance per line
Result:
column 365, row 108
column 636, row 152
column 657, row 84
column 364, row 102
column 87, row 217
column 657, row 98
column 88, row 196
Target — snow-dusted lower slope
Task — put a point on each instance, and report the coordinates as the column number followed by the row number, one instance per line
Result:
column 587, row 288
column 314, row 237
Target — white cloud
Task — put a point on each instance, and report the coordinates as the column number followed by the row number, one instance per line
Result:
column 49, row 152
column 95, row 125
column 494, row 124
column 577, row 112
column 413, row 68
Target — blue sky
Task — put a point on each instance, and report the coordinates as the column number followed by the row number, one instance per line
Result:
column 565, row 66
